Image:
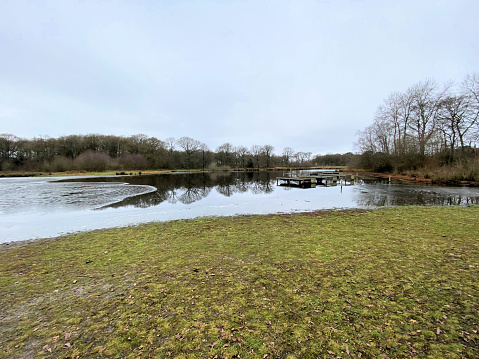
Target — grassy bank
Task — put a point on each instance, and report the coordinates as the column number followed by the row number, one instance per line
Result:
column 460, row 173
column 386, row 283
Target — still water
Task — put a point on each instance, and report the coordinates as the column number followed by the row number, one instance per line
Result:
column 46, row 207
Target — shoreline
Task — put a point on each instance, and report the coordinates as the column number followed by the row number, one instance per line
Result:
column 418, row 179
column 320, row 212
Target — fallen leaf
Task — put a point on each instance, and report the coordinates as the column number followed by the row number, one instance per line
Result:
column 55, row 339
column 347, row 350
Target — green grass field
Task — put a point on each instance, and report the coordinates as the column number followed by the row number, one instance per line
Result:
column 389, row 283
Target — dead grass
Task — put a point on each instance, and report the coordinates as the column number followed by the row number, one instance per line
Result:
column 387, row 283
column 458, row 173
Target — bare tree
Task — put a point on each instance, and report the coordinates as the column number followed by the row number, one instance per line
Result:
column 455, row 121
column 241, row 153
column 383, row 132
column 170, row 144
column 405, row 115
column 9, row 149
column 205, row 151
column 225, row 155
column 426, row 97
column 288, row 154
column 366, row 140
column 190, row 146
column 256, row 152
column 268, row 153
column 303, row 157
column 391, row 122
column 470, row 88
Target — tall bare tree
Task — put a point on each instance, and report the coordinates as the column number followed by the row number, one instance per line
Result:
column 455, row 121
column 190, row 146
column 225, row 155
column 470, row 88
column 288, row 154
column 426, row 98
column 256, row 152
column 268, row 153
column 241, row 153
column 170, row 143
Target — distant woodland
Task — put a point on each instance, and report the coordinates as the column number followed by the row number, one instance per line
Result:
column 426, row 129
column 94, row 152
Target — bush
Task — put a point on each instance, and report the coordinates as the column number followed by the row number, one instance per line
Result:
column 93, row 161
column 129, row 161
column 376, row 162
column 59, row 164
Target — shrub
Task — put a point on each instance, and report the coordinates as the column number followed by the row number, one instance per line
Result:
column 93, row 161
column 128, row 161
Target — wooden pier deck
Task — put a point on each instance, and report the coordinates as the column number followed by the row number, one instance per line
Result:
column 322, row 178
column 303, row 182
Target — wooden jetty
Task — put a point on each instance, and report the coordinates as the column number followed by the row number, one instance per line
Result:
column 322, row 178
column 303, row 182
column 325, row 177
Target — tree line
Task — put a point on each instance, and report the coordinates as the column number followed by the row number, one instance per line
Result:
column 95, row 152
column 427, row 125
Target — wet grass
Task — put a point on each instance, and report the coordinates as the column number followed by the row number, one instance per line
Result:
column 390, row 283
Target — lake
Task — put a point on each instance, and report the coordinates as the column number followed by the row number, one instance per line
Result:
column 38, row 207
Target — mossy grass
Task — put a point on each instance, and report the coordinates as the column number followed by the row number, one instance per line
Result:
column 389, row 283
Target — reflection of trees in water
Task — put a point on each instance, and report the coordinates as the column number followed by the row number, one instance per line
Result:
column 188, row 188
column 380, row 196
column 227, row 186
column 242, row 186
column 191, row 195
column 263, row 183
column 172, row 196
column 226, row 190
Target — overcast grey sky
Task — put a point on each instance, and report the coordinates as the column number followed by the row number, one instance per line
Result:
column 305, row 74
